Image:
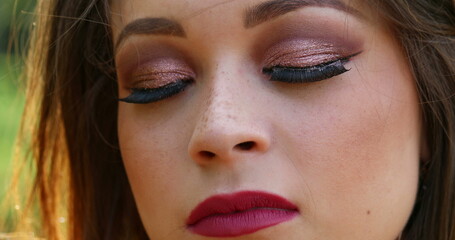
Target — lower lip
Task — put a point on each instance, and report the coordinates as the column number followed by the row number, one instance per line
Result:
column 241, row 223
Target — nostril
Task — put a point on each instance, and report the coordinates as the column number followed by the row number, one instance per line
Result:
column 207, row 154
column 245, row 145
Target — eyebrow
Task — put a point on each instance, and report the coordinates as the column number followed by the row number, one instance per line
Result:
column 253, row 16
column 271, row 9
column 157, row 26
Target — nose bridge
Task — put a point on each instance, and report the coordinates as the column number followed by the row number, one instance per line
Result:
column 223, row 102
column 227, row 125
column 226, row 94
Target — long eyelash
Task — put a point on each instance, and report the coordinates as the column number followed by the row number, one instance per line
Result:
column 308, row 74
column 148, row 95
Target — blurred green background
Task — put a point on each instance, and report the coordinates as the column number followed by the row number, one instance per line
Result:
column 15, row 21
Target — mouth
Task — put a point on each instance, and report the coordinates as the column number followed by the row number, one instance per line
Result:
column 241, row 213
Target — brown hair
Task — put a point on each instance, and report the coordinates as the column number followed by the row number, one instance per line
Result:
column 426, row 30
column 72, row 110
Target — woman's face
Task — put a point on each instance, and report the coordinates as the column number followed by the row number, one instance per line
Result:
column 276, row 119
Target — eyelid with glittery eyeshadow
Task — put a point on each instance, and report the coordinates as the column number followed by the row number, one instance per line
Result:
column 157, row 80
column 305, row 60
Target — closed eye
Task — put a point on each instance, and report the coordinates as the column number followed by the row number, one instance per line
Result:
column 149, row 95
column 308, row 74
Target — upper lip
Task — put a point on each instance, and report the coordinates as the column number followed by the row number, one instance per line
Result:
column 238, row 202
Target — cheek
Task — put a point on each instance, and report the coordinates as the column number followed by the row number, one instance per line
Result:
column 155, row 164
column 357, row 142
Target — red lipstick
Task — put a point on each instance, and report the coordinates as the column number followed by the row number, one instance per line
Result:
column 231, row 215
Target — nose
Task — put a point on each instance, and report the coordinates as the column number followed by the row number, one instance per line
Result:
column 230, row 127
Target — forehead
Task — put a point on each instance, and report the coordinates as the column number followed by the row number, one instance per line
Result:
column 185, row 8
column 126, row 11
column 184, row 11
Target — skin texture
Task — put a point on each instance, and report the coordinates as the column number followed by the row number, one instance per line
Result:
column 345, row 150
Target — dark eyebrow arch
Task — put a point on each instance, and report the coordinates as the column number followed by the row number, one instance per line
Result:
column 158, row 26
column 271, row 9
